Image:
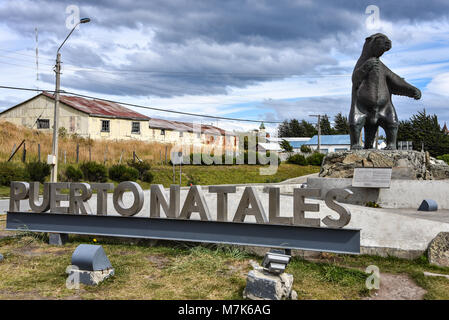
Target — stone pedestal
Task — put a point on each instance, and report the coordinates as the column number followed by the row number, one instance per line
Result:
column 415, row 177
column 263, row 285
column 407, row 165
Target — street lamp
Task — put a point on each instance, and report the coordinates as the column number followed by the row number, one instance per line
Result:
column 53, row 158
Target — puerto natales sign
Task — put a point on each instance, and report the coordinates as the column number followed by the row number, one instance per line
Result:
column 270, row 230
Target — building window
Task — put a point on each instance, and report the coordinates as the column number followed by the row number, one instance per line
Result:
column 43, row 123
column 162, row 132
column 135, row 127
column 105, row 125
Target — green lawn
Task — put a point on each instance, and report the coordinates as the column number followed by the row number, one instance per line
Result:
column 219, row 174
column 32, row 269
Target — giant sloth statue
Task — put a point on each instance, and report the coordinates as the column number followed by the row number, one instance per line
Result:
column 372, row 86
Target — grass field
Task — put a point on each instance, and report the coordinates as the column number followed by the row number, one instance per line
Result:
column 219, row 174
column 33, row 269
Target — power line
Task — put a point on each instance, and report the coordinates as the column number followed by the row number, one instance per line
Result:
column 143, row 107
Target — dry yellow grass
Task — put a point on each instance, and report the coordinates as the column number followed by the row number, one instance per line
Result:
column 11, row 134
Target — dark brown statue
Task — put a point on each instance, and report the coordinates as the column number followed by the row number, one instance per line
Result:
column 372, row 86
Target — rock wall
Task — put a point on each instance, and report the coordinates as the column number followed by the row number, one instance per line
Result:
column 412, row 165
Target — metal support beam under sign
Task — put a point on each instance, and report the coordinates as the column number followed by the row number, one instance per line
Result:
column 249, row 234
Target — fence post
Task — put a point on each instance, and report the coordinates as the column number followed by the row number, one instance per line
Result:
column 121, row 156
column 166, row 147
column 39, row 152
column 105, row 158
column 134, row 156
column 90, row 154
column 77, row 152
column 65, row 156
column 24, row 155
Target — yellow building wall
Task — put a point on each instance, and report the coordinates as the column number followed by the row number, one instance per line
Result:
column 82, row 124
column 42, row 107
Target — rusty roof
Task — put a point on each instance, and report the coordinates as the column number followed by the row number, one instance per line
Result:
column 186, row 126
column 99, row 108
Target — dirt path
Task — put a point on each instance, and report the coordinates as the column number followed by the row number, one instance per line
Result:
column 397, row 287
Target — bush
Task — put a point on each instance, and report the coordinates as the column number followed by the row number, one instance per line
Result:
column 94, row 172
column 10, row 171
column 140, row 166
column 297, row 159
column 73, row 174
column 305, row 149
column 315, row 159
column 147, row 176
column 38, row 171
column 192, row 180
column 120, row 172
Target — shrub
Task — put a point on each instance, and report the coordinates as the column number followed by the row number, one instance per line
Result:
column 192, row 180
column 120, row 172
column 297, row 159
column 10, row 171
column 147, row 176
column 95, row 172
column 140, row 166
column 315, row 159
column 38, row 171
column 73, row 174
column 305, row 149
column 62, row 132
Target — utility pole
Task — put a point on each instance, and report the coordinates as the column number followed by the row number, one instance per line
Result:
column 54, row 156
column 54, row 169
column 319, row 129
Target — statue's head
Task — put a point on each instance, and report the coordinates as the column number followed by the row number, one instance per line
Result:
column 376, row 45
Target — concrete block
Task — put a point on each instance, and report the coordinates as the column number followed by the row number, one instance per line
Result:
column 91, row 278
column 58, row 239
column 262, row 285
column 428, row 205
column 91, row 258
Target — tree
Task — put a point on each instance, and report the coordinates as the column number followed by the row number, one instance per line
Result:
column 294, row 128
column 325, row 125
column 286, row 146
column 424, row 129
column 341, row 124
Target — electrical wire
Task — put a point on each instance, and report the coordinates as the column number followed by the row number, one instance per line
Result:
column 140, row 106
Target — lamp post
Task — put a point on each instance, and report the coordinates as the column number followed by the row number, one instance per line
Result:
column 53, row 159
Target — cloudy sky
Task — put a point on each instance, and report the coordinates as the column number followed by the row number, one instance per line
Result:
column 254, row 59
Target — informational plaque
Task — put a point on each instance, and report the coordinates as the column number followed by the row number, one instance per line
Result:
column 372, row 177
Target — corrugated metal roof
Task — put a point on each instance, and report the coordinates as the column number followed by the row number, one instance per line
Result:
column 337, row 139
column 99, row 108
column 298, row 144
column 102, row 108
